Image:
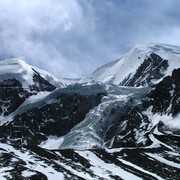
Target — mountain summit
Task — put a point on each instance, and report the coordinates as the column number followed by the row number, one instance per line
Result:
column 121, row 122
column 142, row 65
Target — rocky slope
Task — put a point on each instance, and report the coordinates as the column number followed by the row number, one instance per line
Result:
column 93, row 130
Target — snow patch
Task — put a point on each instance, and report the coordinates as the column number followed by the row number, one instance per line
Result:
column 28, row 173
column 53, row 142
column 139, row 168
column 163, row 160
column 168, row 120
column 32, row 162
column 102, row 169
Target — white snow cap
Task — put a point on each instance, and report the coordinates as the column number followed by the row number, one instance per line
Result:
column 23, row 72
column 115, row 72
column 18, row 69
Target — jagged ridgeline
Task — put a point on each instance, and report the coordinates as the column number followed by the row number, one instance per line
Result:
column 120, row 122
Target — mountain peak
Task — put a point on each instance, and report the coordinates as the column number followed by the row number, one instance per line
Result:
column 23, row 72
column 91, row 130
column 151, row 55
column 18, row 69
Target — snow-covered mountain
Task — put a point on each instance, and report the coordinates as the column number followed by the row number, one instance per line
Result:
column 143, row 65
column 122, row 122
column 24, row 73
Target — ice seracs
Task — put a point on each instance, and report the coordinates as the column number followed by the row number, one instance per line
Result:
column 126, row 126
column 91, row 132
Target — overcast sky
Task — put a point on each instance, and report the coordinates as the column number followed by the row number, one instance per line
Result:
column 71, row 38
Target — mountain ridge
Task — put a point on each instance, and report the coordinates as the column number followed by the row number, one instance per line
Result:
column 123, row 127
column 127, row 65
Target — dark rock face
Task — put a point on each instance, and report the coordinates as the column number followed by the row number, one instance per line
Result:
column 40, row 84
column 128, row 131
column 56, row 118
column 132, row 130
column 152, row 68
column 165, row 98
column 12, row 95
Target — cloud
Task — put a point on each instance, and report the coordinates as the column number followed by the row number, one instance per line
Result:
column 72, row 38
column 35, row 29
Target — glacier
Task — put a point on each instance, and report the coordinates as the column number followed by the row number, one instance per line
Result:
column 120, row 122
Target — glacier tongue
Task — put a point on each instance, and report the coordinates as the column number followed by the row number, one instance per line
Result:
column 89, row 133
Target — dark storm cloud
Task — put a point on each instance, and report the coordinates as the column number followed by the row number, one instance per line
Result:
column 72, row 37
